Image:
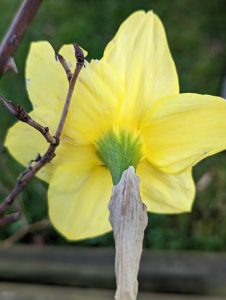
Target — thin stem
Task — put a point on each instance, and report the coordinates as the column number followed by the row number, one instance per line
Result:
column 28, row 228
column 23, row 116
column 80, row 63
column 65, row 66
column 16, row 32
column 7, row 219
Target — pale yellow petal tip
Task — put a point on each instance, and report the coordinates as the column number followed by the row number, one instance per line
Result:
column 37, row 49
column 68, row 50
column 39, row 46
column 171, row 210
column 78, row 234
column 151, row 15
column 46, row 44
column 142, row 13
column 166, row 194
column 186, row 208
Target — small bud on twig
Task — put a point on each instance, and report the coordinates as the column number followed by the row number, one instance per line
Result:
column 79, row 54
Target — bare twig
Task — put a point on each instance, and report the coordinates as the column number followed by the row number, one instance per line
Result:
column 28, row 228
column 80, row 63
column 26, row 176
column 23, row 116
column 65, row 66
column 16, row 31
column 7, row 219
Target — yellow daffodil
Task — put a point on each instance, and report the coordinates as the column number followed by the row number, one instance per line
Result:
column 126, row 110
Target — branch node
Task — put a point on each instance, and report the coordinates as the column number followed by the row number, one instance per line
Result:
column 57, row 141
column 21, row 114
column 38, row 157
column 46, row 129
column 79, row 54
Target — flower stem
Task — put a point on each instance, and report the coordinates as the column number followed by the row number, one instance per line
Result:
column 128, row 217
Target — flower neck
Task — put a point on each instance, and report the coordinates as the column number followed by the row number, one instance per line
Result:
column 119, row 151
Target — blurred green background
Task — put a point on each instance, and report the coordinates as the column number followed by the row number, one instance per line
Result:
column 197, row 38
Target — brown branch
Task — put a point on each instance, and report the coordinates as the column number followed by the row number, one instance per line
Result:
column 80, row 63
column 26, row 176
column 23, row 116
column 7, row 219
column 28, row 228
column 65, row 66
column 16, row 32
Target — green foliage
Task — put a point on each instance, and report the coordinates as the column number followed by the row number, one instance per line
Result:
column 196, row 35
column 118, row 152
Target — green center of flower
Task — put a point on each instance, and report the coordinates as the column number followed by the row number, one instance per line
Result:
column 118, row 152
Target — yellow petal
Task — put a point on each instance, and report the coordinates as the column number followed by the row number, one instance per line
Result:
column 96, row 99
column 47, row 83
column 45, row 78
column 95, row 104
column 140, row 54
column 78, row 201
column 182, row 130
column 164, row 193
column 25, row 143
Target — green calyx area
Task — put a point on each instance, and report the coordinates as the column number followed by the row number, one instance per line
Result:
column 118, row 152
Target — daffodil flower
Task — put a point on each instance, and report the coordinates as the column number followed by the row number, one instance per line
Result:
column 126, row 110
